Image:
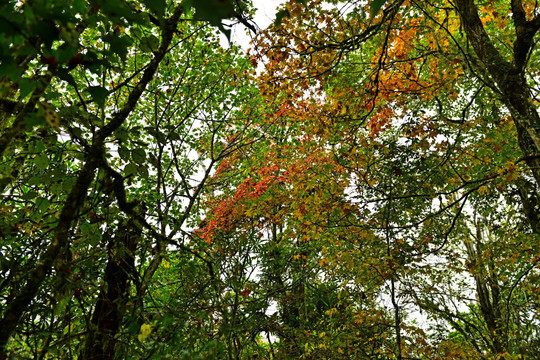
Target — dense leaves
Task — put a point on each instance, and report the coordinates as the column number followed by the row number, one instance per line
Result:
column 418, row 105
column 363, row 184
column 114, row 115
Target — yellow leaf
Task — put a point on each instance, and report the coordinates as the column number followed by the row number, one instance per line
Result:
column 51, row 117
column 483, row 190
column 146, row 329
column 331, row 312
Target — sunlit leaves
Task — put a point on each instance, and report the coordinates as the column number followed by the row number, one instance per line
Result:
column 144, row 332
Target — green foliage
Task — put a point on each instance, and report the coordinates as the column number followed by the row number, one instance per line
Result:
column 372, row 193
column 82, row 202
column 375, row 6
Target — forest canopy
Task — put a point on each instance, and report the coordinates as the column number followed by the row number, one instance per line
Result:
column 362, row 183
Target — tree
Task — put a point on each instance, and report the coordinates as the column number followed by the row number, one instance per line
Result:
column 113, row 116
column 427, row 121
column 295, row 211
column 369, row 193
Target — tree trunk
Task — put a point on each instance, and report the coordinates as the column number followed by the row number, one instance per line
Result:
column 488, row 294
column 509, row 76
column 111, row 303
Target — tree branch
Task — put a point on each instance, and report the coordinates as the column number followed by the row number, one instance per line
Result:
column 15, row 308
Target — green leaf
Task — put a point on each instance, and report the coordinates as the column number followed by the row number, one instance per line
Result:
column 34, row 119
column 77, row 132
column 10, row 69
column 42, row 161
column 35, row 180
column 93, row 62
column 43, row 204
column 282, row 14
column 119, row 44
column 376, row 6
column 38, row 147
column 121, row 135
column 7, row 28
column 29, row 195
column 226, row 32
column 213, row 11
column 66, row 76
column 123, row 153
column 118, row 11
column 173, row 135
column 99, row 94
column 67, row 184
column 156, row 6
column 138, row 155
column 65, row 52
column 130, row 169
column 142, row 170
column 47, row 31
column 26, row 86
column 159, row 135
column 89, row 233
column 149, row 43
column 133, row 325
column 61, row 305
column 135, row 32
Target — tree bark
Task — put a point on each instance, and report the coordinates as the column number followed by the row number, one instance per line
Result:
column 108, row 313
column 488, row 293
column 509, row 75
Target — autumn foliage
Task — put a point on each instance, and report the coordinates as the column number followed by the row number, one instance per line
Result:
column 361, row 184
